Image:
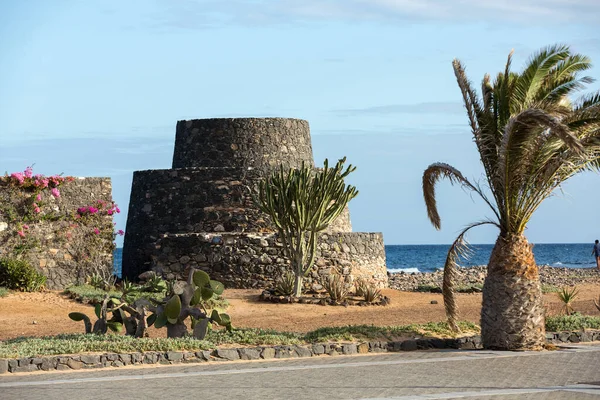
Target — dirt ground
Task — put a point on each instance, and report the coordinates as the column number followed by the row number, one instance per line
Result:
column 41, row 314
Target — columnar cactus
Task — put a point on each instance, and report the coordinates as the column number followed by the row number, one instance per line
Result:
column 301, row 203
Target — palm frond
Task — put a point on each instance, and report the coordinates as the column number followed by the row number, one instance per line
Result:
column 432, row 175
column 480, row 117
column 459, row 249
column 535, row 73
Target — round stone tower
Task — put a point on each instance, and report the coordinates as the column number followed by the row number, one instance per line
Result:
column 259, row 143
column 201, row 213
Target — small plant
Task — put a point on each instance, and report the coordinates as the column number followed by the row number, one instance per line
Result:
column 156, row 284
column 371, row 294
column 19, row 275
column 549, row 289
column 183, row 300
column 3, row 292
column 336, row 287
column 567, row 296
column 573, row 322
column 360, row 286
column 285, row 284
column 96, row 281
column 427, row 288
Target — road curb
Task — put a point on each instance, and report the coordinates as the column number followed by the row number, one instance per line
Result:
column 105, row 360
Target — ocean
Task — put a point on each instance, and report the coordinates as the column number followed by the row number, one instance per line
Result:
column 429, row 258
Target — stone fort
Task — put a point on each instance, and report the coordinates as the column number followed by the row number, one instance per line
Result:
column 201, row 213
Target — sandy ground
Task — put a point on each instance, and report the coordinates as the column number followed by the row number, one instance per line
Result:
column 40, row 314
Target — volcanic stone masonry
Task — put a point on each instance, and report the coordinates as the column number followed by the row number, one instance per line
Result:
column 201, row 214
column 55, row 244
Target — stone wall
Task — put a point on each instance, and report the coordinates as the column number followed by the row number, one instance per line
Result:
column 257, row 260
column 217, row 164
column 55, row 242
column 193, row 200
column 261, row 143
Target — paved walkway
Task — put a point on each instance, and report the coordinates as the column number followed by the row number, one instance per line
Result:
column 565, row 374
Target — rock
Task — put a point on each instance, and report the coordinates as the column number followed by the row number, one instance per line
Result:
column 219, row 228
column 268, row 353
column 34, row 322
column 3, row 366
column 174, row 356
column 90, row 359
column 349, row 349
column 228, row 354
column 302, row 351
column 409, row 345
column 145, row 276
column 249, row 354
column 433, row 302
column 74, row 364
column 317, row 287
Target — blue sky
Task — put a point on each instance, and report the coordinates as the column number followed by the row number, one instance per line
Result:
column 95, row 88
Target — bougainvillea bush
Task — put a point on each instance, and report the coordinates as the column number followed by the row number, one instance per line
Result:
column 62, row 226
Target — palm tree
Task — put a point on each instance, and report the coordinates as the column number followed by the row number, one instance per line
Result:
column 531, row 138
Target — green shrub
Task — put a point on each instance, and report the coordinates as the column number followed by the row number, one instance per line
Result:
column 471, row 288
column 336, row 287
column 89, row 294
column 567, row 296
column 3, row 292
column 19, row 275
column 549, row 289
column 79, row 343
column 573, row 322
column 284, row 286
column 429, row 289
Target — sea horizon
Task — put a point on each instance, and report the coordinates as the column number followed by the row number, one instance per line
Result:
column 413, row 258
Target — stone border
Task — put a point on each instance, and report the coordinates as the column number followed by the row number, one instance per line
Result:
column 89, row 361
column 268, row 296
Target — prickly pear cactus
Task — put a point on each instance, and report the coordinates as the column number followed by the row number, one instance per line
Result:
column 187, row 299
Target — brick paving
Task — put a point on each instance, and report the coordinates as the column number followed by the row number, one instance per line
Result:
column 413, row 375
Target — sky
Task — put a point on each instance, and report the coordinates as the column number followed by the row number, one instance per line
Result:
column 95, row 88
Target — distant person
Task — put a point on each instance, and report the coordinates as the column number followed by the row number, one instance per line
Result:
column 596, row 253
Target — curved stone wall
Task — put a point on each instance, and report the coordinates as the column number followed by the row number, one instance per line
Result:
column 217, row 164
column 257, row 260
column 261, row 143
column 192, row 200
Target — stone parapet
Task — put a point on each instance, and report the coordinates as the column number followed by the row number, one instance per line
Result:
column 241, row 260
column 190, row 200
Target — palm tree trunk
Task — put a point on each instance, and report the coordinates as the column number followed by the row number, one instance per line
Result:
column 512, row 313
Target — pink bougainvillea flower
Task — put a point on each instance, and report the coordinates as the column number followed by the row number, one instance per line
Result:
column 92, row 210
column 21, row 233
column 37, row 210
column 109, row 211
column 117, row 209
column 38, row 197
column 55, row 192
column 18, row 176
column 28, row 172
column 96, row 231
column 82, row 210
column 120, row 232
column 25, row 226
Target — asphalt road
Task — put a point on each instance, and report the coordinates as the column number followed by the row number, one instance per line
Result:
column 565, row 374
